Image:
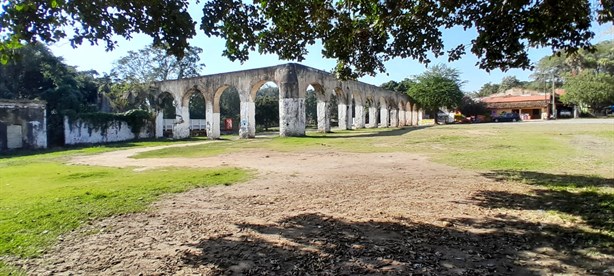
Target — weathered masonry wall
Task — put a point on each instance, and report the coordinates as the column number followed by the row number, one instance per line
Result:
column 78, row 131
column 391, row 109
column 23, row 124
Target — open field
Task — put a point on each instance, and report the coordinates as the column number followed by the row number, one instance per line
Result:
column 517, row 198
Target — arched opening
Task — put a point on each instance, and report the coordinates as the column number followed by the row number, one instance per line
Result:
column 371, row 110
column 226, row 111
column 317, row 108
column 197, row 111
column 166, row 106
column 267, row 107
column 333, row 110
column 311, row 108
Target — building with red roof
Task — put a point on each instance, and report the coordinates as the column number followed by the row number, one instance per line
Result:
column 530, row 104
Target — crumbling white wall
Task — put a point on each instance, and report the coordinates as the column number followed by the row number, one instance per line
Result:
column 23, row 124
column 80, row 132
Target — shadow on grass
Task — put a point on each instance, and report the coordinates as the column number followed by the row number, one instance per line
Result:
column 361, row 133
column 551, row 180
column 595, row 207
column 319, row 244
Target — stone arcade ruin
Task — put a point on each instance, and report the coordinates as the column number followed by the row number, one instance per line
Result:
column 386, row 108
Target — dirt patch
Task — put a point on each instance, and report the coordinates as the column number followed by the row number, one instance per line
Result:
column 321, row 212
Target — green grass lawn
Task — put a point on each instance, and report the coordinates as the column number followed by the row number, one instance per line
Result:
column 42, row 198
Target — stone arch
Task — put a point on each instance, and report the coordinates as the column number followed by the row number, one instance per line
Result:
column 217, row 95
column 401, row 112
column 372, row 111
column 344, row 116
column 255, row 87
column 320, row 91
column 393, row 109
column 408, row 114
column 215, row 115
column 291, row 79
column 167, row 114
column 384, row 112
column 185, row 98
column 323, row 113
column 196, row 126
column 267, row 114
column 166, row 101
column 341, row 95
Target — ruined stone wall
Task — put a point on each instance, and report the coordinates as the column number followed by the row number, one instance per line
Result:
column 292, row 80
column 22, row 125
column 77, row 131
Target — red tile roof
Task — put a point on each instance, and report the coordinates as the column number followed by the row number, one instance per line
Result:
column 507, row 99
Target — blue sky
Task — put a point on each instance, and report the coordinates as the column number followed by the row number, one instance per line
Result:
column 87, row 57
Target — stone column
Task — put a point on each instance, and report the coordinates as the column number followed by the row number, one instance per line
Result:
column 414, row 116
column 160, row 124
column 401, row 114
column 359, row 119
column 420, row 112
column 323, row 116
column 342, row 116
column 213, row 121
column 384, row 112
column 350, row 116
column 291, row 105
column 373, row 116
column 291, row 117
column 181, row 129
column 394, row 118
column 408, row 117
column 247, row 125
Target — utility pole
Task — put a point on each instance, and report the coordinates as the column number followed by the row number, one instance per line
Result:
column 553, row 99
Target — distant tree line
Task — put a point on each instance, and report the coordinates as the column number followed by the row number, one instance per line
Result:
column 438, row 87
column 38, row 74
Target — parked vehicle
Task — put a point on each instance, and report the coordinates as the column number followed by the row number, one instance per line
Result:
column 507, row 117
column 565, row 114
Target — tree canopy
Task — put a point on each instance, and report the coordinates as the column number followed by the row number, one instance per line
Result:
column 360, row 34
column 437, row 87
column 488, row 89
column 555, row 67
column 38, row 74
column 586, row 76
column 128, row 84
column 589, row 87
column 153, row 63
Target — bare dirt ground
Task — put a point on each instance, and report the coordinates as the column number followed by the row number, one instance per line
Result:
column 323, row 213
